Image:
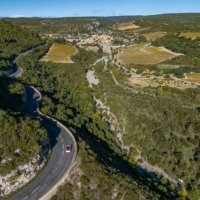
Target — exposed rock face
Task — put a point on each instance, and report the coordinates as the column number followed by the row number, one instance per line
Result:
column 19, row 177
column 24, row 173
column 92, row 79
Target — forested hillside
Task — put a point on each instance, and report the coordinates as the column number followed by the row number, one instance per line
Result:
column 171, row 22
column 67, row 97
column 20, row 136
column 14, row 40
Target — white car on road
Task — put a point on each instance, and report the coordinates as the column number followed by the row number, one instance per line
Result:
column 68, row 148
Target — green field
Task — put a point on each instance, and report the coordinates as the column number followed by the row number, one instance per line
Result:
column 146, row 55
column 60, row 53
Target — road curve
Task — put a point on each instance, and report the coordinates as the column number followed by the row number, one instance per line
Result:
column 60, row 163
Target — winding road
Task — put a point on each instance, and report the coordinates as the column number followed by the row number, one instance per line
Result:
column 60, row 163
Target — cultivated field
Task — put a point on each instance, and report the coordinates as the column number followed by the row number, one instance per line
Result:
column 146, row 55
column 192, row 35
column 154, row 36
column 194, row 77
column 60, row 53
column 127, row 26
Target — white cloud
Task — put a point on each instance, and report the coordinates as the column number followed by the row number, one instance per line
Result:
column 16, row 16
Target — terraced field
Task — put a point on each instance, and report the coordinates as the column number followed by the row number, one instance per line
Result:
column 60, row 53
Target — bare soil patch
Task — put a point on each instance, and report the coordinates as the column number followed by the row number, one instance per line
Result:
column 154, row 36
column 194, row 77
column 192, row 35
column 127, row 26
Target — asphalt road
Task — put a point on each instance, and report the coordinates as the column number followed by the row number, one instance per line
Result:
column 14, row 72
column 59, row 162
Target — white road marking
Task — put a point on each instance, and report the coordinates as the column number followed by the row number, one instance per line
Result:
column 60, row 161
column 25, row 198
column 62, row 153
column 55, row 169
column 36, row 189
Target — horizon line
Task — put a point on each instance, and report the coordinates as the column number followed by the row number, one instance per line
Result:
column 82, row 16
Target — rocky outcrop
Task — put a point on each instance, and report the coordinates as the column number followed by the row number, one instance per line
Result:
column 92, row 79
column 24, row 173
column 19, row 177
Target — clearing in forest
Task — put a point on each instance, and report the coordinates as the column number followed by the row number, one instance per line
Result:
column 127, row 26
column 155, row 35
column 146, row 55
column 60, row 53
column 192, row 35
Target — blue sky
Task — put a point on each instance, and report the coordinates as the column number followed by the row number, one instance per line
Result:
column 60, row 8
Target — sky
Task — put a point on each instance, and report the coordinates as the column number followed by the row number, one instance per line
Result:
column 64, row 8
